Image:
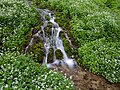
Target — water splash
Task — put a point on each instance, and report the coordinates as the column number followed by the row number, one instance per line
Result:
column 52, row 40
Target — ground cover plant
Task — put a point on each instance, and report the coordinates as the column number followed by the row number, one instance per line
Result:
column 95, row 25
column 18, row 70
column 16, row 19
column 102, row 57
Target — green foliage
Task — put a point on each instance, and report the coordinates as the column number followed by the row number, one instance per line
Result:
column 96, row 55
column 61, row 19
column 16, row 19
column 113, row 4
column 102, row 57
column 19, row 71
column 95, row 26
column 89, row 21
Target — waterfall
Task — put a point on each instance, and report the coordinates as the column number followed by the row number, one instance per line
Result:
column 52, row 40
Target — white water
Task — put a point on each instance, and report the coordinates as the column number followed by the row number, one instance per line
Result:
column 52, row 41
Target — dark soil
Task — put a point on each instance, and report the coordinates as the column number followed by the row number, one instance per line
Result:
column 85, row 80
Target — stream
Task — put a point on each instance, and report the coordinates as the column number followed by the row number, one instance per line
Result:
column 51, row 40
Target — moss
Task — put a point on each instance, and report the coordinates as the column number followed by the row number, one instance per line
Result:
column 38, row 52
column 63, row 20
column 36, row 49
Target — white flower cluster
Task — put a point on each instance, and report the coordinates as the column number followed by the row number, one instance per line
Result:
column 15, row 16
column 17, row 73
column 10, row 7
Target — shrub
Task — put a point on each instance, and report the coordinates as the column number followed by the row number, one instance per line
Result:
column 16, row 19
column 18, row 71
column 102, row 57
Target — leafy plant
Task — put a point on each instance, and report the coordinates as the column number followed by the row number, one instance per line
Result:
column 95, row 26
column 102, row 57
column 19, row 71
column 16, row 19
column 113, row 4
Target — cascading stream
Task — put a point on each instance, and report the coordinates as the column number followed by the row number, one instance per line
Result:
column 52, row 41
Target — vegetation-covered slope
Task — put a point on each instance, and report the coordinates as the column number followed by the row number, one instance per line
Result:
column 16, row 19
column 95, row 25
column 19, row 71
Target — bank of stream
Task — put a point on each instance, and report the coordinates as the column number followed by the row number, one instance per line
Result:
column 82, row 79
